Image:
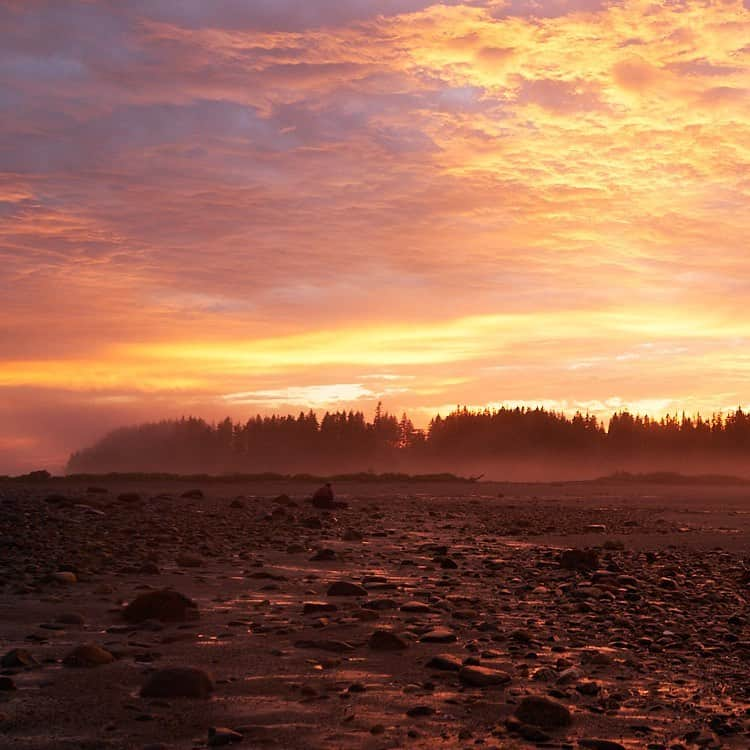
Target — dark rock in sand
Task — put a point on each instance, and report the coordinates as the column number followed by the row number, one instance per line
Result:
column 178, row 682
column 323, row 555
column 346, row 588
column 18, row 658
column 129, row 497
column 192, row 495
column 386, row 640
column 323, row 498
column 418, row 711
column 186, row 560
column 88, row 655
column 56, row 499
column 543, row 712
column 237, row 503
column 336, row 647
column 483, row 676
column 165, row 605
column 70, row 618
column 579, row 559
column 445, row 662
column 220, row 736
column 439, row 635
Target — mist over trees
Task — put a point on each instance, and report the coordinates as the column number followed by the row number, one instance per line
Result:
column 465, row 439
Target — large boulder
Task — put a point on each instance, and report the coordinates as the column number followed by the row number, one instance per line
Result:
column 323, row 497
column 165, row 605
column 178, row 682
column 543, row 712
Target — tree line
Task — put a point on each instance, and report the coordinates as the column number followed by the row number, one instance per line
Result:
column 347, row 441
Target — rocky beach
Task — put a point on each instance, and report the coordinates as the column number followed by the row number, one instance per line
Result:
column 159, row 615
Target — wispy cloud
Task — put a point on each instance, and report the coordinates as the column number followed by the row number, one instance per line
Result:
column 497, row 198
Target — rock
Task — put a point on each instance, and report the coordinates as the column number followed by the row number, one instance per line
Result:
column 178, row 682
column 311, row 608
column 336, row 647
column 186, row 560
column 129, row 497
column 165, row 605
column 415, row 606
column 445, row 662
column 323, row 497
column 543, row 712
column 387, row 640
column 352, row 535
column 149, row 568
column 439, row 635
column 532, row 733
column 88, row 655
column 18, row 658
column 483, row 676
column 237, row 503
column 579, row 559
column 192, row 495
column 323, row 555
column 70, row 618
column 57, row 499
column 600, row 744
column 7, row 684
column 65, row 576
column 346, row 588
column 219, row 736
column 418, row 711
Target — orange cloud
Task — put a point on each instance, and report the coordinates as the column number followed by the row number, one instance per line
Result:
column 496, row 199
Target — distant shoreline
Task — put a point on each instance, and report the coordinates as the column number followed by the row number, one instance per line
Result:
column 620, row 477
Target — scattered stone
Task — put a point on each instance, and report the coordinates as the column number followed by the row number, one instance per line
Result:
column 220, row 736
column 178, row 682
column 129, row 497
column 65, row 576
column 165, row 605
column 186, row 560
column 439, row 635
column 483, row 676
column 386, row 640
column 323, row 497
column 18, row 658
column 346, row 588
column 445, row 662
column 70, row 618
column 323, row 555
column 579, row 559
column 543, row 712
column 88, row 655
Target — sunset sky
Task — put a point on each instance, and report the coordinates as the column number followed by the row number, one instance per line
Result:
column 225, row 207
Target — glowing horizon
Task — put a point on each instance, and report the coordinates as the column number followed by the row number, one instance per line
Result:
column 230, row 208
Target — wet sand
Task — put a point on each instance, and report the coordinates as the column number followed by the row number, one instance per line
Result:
column 644, row 644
